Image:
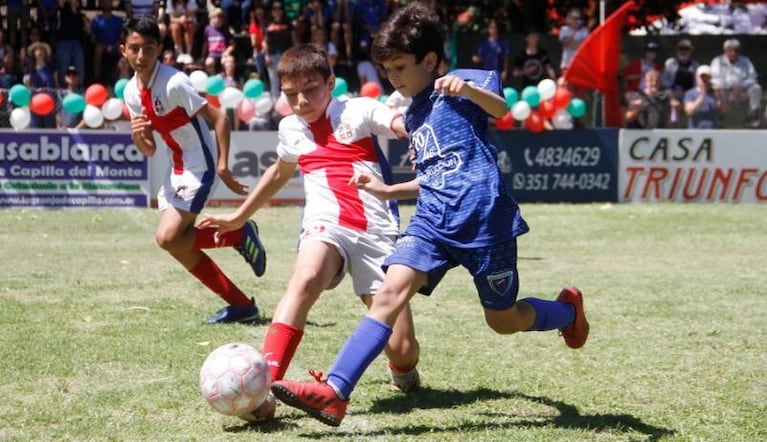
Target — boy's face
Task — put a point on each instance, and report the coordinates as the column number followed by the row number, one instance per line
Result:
column 407, row 76
column 141, row 53
column 308, row 96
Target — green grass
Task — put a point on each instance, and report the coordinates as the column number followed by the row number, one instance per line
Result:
column 101, row 334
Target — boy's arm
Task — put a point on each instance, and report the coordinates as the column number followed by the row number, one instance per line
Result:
column 490, row 102
column 400, row 191
column 220, row 122
column 141, row 133
column 273, row 179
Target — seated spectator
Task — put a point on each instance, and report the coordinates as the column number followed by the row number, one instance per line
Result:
column 532, row 64
column 635, row 72
column 650, row 107
column 235, row 13
column 106, row 31
column 700, row 103
column 182, row 15
column 679, row 71
column 493, row 52
column 229, row 72
column 42, row 76
column 341, row 25
column 218, row 40
column 571, row 35
column 735, row 81
column 9, row 74
column 64, row 119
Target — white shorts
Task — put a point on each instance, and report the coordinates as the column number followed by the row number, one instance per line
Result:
column 362, row 252
column 188, row 191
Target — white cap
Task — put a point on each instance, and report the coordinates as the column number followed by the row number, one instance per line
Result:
column 703, row 69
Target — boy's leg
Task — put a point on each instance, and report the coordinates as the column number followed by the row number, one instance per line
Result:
column 245, row 240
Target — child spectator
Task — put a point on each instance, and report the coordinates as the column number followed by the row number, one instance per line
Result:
column 493, row 52
column 532, row 64
column 218, row 40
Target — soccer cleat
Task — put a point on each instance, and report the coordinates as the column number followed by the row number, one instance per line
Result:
column 252, row 249
column 264, row 412
column 576, row 333
column 231, row 313
column 316, row 398
column 405, row 382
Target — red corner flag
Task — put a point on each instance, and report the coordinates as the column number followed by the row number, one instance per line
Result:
column 596, row 62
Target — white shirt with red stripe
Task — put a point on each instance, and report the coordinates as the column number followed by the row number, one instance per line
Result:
column 329, row 152
column 170, row 102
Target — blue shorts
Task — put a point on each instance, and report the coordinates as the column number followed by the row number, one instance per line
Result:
column 494, row 268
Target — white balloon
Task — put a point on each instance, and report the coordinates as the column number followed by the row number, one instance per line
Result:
column 263, row 105
column 199, row 80
column 20, row 118
column 521, row 110
column 562, row 120
column 546, row 88
column 230, row 97
column 92, row 116
column 112, row 108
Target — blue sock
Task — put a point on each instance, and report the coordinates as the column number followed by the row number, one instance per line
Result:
column 550, row 315
column 359, row 351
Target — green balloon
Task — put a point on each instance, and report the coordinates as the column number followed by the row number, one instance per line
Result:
column 215, row 85
column 253, row 88
column 511, row 96
column 383, row 97
column 74, row 103
column 120, row 87
column 340, row 88
column 531, row 95
column 576, row 108
column 20, row 95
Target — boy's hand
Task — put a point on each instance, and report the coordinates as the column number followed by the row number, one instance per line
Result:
column 222, row 223
column 232, row 183
column 451, row 86
column 371, row 184
column 141, row 128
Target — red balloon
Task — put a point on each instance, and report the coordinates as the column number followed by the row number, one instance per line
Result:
column 96, row 94
column 534, row 123
column 506, row 122
column 561, row 98
column 213, row 101
column 42, row 104
column 546, row 109
column 370, row 89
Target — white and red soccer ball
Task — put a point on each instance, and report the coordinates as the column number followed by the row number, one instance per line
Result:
column 235, row 379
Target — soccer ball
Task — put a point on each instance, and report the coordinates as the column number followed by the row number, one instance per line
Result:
column 235, row 379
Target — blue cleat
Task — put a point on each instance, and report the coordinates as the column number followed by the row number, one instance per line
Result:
column 231, row 313
column 252, row 249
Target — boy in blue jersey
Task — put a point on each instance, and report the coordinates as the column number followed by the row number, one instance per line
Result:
column 464, row 215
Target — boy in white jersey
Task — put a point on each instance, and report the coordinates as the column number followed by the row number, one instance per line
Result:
column 344, row 229
column 162, row 102
column 465, row 215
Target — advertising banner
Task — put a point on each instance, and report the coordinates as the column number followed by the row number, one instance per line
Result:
column 43, row 168
column 693, row 166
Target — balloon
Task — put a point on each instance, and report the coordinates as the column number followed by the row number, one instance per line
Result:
column 199, row 80
column 370, row 89
column 561, row 98
column 112, row 108
column 340, row 88
column 231, row 97
column 215, row 85
column 562, row 120
column 96, row 94
column 546, row 88
column 520, row 111
column 531, row 95
column 383, row 97
column 546, row 109
column 576, row 108
column 253, row 88
column 246, row 110
column 74, row 103
column 263, row 105
column 20, row 118
column 42, row 104
column 20, row 95
column 282, row 107
column 506, row 122
column 120, row 87
column 92, row 116
column 534, row 122
column 511, row 95
column 213, row 101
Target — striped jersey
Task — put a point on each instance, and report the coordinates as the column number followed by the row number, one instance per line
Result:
column 330, row 151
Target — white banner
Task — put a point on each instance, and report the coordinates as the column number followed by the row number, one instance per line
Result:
column 693, row 166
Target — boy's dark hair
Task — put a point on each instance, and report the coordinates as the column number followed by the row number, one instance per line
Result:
column 304, row 60
column 414, row 29
column 144, row 25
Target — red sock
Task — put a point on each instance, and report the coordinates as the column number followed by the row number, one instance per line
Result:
column 280, row 344
column 211, row 275
column 205, row 238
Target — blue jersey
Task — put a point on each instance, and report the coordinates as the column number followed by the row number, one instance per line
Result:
column 463, row 200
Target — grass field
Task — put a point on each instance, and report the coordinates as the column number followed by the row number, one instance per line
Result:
column 101, row 334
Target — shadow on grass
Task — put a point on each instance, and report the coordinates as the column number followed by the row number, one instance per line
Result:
column 268, row 426
column 567, row 418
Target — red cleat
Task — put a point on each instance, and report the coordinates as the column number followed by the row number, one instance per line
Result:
column 316, row 398
column 576, row 333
